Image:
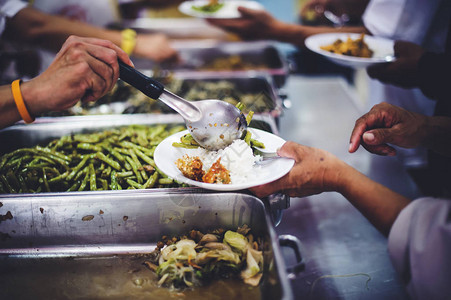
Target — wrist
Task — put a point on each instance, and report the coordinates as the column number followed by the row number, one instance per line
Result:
column 22, row 106
column 289, row 33
column 340, row 177
column 32, row 98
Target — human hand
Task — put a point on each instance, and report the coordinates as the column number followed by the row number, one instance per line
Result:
column 403, row 71
column 252, row 25
column 155, row 47
column 388, row 124
column 84, row 69
column 315, row 171
column 314, row 9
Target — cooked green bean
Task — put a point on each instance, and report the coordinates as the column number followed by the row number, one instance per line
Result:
column 109, row 161
column 85, row 181
column 258, row 144
column 165, row 181
column 150, row 183
column 113, row 159
column 87, row 146
column 113, row 184
column 135, row 169
column 92, row 177
column 134, row 184
column 138, row 164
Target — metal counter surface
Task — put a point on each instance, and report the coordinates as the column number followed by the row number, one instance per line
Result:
column 336, row 239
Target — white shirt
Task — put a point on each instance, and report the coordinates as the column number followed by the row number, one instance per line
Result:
column 424, row 22
column 8, row 9
column 420, row 248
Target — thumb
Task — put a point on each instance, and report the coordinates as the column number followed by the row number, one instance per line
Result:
column 378, row 136
column 247, row 12
column 288, row 150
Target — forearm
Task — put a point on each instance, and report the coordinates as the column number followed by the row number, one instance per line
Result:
column 380, row 205
column 50, row 32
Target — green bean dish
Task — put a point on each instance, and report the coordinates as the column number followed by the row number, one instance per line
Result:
column 110, row 160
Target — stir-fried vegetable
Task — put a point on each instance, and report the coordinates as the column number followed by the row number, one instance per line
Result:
column 109, row 160
column 188, row 262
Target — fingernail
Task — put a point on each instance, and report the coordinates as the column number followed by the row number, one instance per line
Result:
column 350, row 147
column 368, row 136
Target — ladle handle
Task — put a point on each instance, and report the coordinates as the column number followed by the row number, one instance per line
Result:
column 145, row 84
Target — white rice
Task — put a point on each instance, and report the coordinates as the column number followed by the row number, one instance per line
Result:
column 237, row 158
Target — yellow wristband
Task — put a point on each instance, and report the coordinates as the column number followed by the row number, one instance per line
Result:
column 128, row 42
column 21, row 107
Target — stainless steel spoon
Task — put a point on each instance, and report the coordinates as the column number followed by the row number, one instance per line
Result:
column 214, row 124
column 338, row 21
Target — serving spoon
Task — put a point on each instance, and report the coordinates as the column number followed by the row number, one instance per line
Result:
column 214, row 124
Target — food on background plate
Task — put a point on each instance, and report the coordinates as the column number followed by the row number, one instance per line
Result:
column 109, row 160
column 212, row 7
column 198, row 258
column 350, row 47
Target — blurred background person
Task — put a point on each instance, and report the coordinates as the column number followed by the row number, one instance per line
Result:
column 48, row 23
column 425, row 23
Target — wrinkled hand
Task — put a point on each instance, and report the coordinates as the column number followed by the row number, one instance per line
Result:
column 155, row 47
column 84, row 69
column 403, row 71
column 315, row 171
column 387, row 124
column 252, row 25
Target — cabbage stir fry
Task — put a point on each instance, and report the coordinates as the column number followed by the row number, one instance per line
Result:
column 196, row 259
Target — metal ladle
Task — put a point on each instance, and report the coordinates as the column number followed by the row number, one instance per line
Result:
column 214, row 124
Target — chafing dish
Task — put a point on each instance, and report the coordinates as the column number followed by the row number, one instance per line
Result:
column 65, row 246
column 256, row 92
column 46, row 129
column 246, row 58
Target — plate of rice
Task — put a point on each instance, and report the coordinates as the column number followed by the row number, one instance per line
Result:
column 244, row 169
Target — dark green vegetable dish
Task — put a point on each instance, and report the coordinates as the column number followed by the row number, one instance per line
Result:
column 110, row 160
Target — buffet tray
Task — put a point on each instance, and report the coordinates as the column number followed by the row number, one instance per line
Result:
column 65, row 246
column 46, row 129
column 195, row 55
column 256, row 92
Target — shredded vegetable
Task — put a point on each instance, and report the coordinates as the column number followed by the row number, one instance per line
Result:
column 194, row 260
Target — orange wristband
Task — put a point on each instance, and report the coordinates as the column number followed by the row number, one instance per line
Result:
column 17, row 95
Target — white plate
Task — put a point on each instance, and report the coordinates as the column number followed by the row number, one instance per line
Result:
column 383, row 49
column 165, row 156
column 228, row 11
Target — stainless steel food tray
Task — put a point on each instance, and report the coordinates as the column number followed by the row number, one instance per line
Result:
column 46, row 129
column 63, row 246
column 195, row 55
column 256, row 92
